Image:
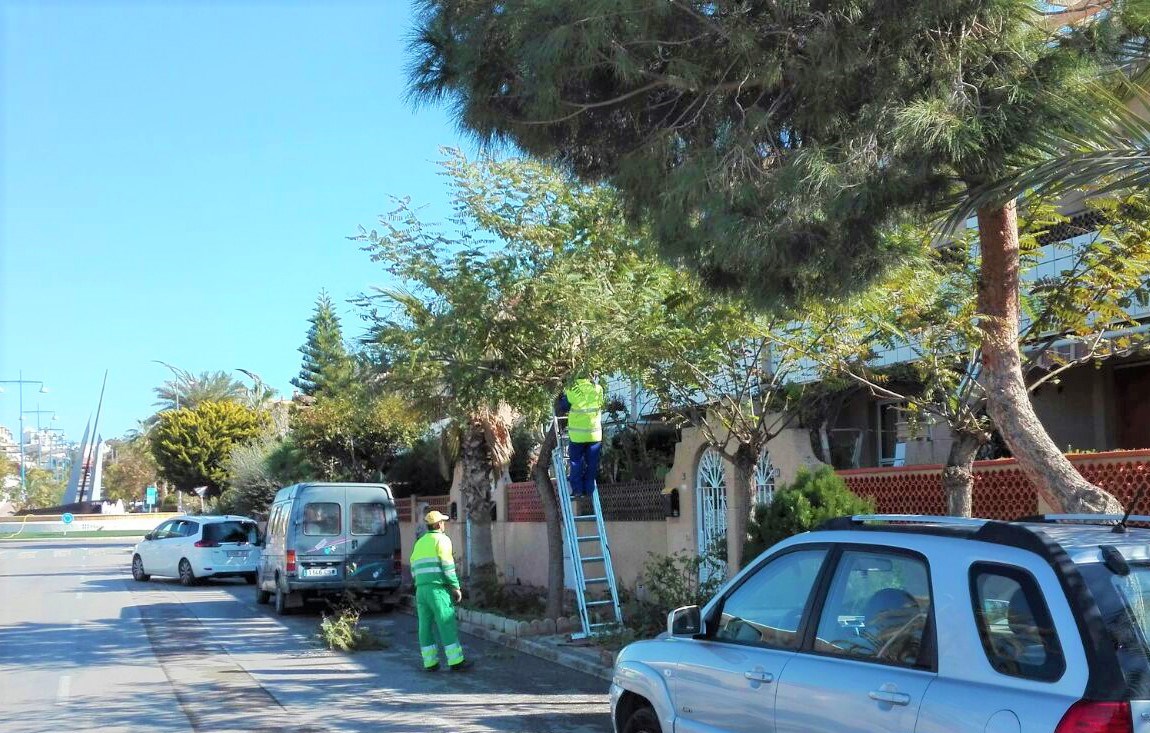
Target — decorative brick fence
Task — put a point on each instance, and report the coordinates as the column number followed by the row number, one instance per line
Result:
column 409, row 507
column 630, row 501
column 1000, row 489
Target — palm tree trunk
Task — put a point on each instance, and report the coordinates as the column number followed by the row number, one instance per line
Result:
column 742, row 499
column 546, row 491
column 475, row 486
column 958, row 475
column 1009, row 402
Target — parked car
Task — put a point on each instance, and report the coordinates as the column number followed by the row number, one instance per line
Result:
column 193, row 548
column 326, row 539
column 901, row 624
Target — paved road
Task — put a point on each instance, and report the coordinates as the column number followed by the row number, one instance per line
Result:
column 83, row 647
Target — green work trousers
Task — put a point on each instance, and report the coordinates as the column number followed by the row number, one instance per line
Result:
column 436, row 613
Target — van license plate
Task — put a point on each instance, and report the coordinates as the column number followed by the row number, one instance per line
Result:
column 318, row 572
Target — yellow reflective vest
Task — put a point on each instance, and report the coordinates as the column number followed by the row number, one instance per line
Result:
column 432, row 562
column 584, row 421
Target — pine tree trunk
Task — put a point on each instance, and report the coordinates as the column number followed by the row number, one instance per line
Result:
column 958, row 475
column 475, row 486
column 1009, row 402
column 546, row 491
column 742, row 499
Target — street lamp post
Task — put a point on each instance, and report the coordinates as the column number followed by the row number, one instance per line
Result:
column 39, row 431
column 21, row 381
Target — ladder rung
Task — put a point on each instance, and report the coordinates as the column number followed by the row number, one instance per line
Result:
column 588, row 538
column 588, row 581
column 605, row 623
column 584, row 518
column 597, row 558
column 600, row 603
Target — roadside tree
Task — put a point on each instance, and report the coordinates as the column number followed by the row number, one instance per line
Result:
column 192, row 445
column 773, row 148
column 327, row 367
column 132, row 470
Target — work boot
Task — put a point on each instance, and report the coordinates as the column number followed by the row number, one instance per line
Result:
column 434, row 668
column 463, row 666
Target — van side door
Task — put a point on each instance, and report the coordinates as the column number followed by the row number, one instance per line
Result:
column 373, row 537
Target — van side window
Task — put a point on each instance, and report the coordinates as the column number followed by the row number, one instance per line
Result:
column 1014, row 623
column 321, row 519
column 275, row 528
column 369, row 518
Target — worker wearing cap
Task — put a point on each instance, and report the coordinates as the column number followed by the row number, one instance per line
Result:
column 436, row 587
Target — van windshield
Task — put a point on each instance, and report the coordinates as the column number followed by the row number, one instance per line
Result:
column 1124, row 602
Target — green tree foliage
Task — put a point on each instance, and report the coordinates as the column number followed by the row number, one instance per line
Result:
column 43, row 490
column 416, row 471
column 356, row 434
column 257, row 470
column 192, row 445
column 131, row 471
column 327, row 367
column 774, row 147
column 800, row 506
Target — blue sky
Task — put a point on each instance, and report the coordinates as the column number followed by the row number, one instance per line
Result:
column 177, row 181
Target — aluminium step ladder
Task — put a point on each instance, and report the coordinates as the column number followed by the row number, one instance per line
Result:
column 589, row 549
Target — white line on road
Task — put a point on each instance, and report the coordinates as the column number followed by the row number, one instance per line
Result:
column 64, row 689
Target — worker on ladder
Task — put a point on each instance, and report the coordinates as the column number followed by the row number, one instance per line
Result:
column 582, row 402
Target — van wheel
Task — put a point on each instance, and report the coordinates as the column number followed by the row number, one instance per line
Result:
column 281, row 602
column 643, row 720
column 262, row 596
column 138, row 570
column 187, row 576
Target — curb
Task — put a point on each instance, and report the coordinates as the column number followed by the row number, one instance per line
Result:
column 570, row 660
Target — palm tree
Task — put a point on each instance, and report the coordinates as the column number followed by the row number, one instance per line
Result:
column 189, row 390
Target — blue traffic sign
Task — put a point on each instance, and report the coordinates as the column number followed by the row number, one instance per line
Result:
column 151, row 495
column 67, row 518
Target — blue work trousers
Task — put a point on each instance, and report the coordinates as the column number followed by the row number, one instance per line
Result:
column 584, row 458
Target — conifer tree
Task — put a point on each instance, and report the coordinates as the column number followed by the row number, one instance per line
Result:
column 326, row 364
column 771, row 145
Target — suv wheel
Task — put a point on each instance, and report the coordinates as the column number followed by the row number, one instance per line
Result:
column 187, row 577
column 138, row 573
column 643, row 720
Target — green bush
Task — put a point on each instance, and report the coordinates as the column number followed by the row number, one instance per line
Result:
column 813, row 498
column 341, row 630
column 668, row 582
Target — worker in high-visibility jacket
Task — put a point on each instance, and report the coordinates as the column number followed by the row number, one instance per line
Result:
column 583, row 404
column 436, row 588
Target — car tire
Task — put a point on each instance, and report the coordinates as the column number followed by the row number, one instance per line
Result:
column 187, row 575
column 642, row 720
column 250, row 578
column 262, row 596
column 281, row 602
column 138, row 573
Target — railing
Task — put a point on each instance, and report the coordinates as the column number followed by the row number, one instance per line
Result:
column 1001, row 491
column 630, row 501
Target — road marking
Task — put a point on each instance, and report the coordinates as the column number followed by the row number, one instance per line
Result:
column 79, row 595
column 61, row 553
column 64, row 689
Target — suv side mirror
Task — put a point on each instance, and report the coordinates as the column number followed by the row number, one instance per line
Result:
column 150, row 536
column 685, row 621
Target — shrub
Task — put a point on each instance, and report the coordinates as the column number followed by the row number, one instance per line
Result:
column 668, row 582
column 813, row 498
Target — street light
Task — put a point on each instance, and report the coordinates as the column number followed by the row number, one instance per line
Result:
column 39, row 431
column 176, row 382
column 43, row 390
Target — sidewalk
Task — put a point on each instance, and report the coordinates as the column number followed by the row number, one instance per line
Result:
column 581, row 656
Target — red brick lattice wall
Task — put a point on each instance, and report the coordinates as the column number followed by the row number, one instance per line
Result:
column 1000, row 489
column 406, row 508
column 631, row 501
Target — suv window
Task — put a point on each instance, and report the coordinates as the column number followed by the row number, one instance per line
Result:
column 1124, row 603
column 164, row 531
column 230, row 531
column 321, row 519
column 186, row 529
column 767, row 608
column 369, row 518
column 877, row 608
column 1014, row 623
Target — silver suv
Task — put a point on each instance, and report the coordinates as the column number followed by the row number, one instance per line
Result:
column 895, row 623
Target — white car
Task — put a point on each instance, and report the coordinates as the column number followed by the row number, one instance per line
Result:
column 192, row 548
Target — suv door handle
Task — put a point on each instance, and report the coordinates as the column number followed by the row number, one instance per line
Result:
column 894, row 698
column 759, row 676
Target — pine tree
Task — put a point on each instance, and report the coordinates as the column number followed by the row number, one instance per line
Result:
column 327, row 367
column 772, row 146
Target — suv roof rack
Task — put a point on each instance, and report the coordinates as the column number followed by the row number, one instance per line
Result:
column 1085, row 518
column 853, row 522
